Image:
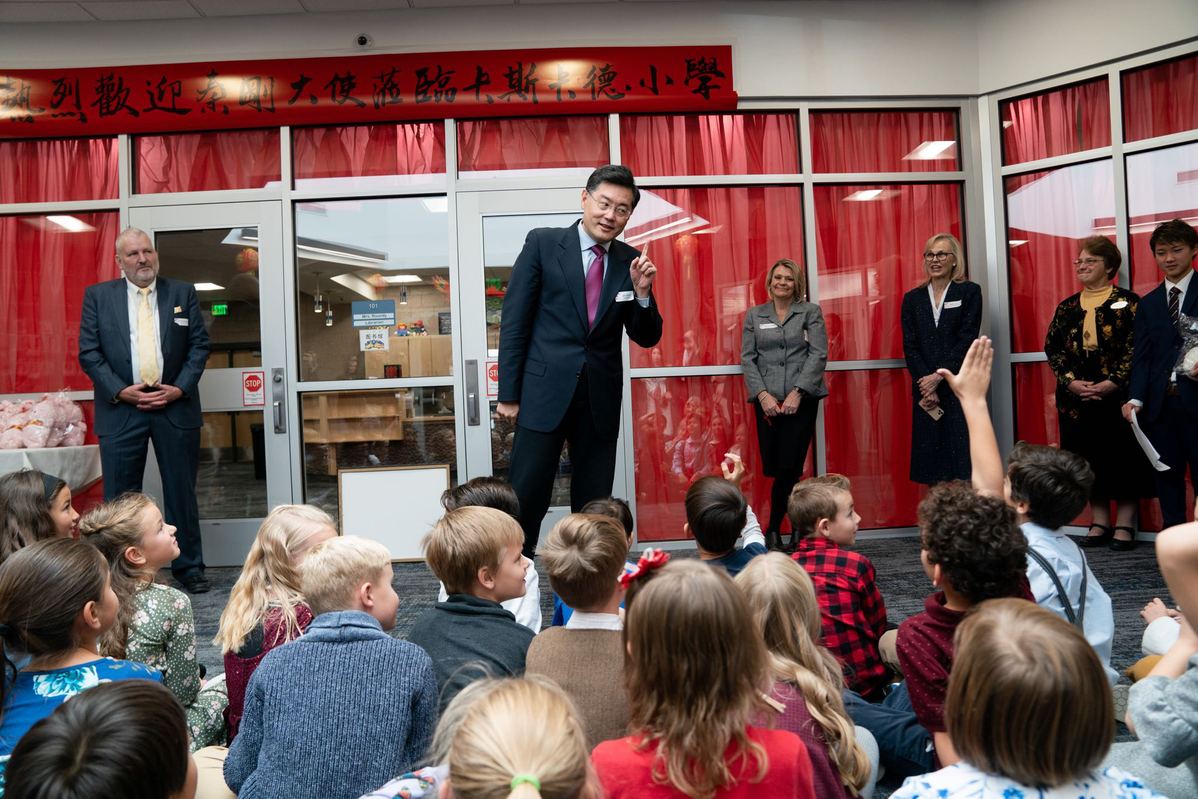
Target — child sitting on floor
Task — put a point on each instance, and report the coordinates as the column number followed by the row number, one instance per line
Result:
column 1029, row 712
column 852, row 610
column 476, row 553
column 345, row 706
column 613, row 508
column 726, row 532
column 155, row 625
column 34, row 506
column 584, row 556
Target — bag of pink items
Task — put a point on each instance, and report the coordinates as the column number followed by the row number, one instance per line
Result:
column 52, row 421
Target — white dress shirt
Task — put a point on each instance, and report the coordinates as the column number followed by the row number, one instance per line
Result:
column 584, row 620
column 134, row 302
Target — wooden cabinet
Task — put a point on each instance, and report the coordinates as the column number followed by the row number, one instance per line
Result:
column 416, row 356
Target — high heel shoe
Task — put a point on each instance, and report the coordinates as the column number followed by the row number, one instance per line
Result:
column 1099, row 540
column 1119, row 545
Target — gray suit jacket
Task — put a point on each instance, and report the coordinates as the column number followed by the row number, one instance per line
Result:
column 779, row 355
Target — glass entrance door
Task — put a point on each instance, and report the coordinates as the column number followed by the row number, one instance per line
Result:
column 232, row 254
column 492, row 227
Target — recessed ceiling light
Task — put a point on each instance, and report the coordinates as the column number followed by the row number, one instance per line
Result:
column 393, row 279
column 931, row 151
column 864, row 195
column 208, row 287
column 70, row 223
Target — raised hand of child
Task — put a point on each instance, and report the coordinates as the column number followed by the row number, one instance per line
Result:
column 972, row 381
column 734, row 473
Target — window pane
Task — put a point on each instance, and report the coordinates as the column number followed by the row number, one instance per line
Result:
column 712, row 248
column 869, row 243
column 1035, row 404
column 52, row 170
column 45, row 264
column 671, row 451
column 368, row 156
column 231, row 482
column 541, row 146
column 867, row 426
column 884, row 141
column 234, row 159
column 1161, row 185
column 358, row 429
column 1062, row 121
column 710, row 144
column 1159, row 99
column 390, row 251
column 1047, row 213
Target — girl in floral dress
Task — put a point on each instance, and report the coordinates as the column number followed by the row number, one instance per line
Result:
column 56, row 601
column 154, row 624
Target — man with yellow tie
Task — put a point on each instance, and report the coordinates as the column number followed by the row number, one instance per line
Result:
column 143, row 343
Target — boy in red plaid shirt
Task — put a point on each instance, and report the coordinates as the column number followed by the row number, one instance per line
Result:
column 851, row 607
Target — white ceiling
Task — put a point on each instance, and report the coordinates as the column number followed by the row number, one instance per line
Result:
column 17, row 11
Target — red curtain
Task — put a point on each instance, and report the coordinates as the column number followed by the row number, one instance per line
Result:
column 233, row 159
column 1047, row 214
column 1161, row 185
column 1035, row 404
column 867, row 427
column 713, row 248
column 710, row 144
column 682, row 426
column 44, row 268
column 884, row 141
column 869, row 242
column 1160, row 99
column 1057, row 122
column 357, row 151
column 58, row 170
column 532, row 143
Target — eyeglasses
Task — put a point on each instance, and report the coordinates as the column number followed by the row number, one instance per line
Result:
column 1087, row 261
column 621, row 211
column 936, row 256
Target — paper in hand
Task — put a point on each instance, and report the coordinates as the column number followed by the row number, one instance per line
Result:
column 1150, row 452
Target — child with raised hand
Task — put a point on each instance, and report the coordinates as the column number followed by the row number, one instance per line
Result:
column 122, row 739
column 852, row 610
column 697, row 675
column 56, row 601
column 807, row 678
column 584, row 556
column 154, row 624
column 34, row 506
column 1162, row 708
column 345, row 706
column 1029, row 712
column 266, row 607
column 497, row 493
column 476, row 553
column 727, row 533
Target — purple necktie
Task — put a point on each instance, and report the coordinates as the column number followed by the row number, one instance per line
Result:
column 594, row 284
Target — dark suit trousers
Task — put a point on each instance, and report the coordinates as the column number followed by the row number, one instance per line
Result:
column 1175, row 435
column 534, row 464
column 123, row 458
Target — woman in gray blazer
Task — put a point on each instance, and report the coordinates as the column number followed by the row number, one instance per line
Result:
column 784, row 349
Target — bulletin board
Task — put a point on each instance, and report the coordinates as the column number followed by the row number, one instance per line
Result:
column 394, row 505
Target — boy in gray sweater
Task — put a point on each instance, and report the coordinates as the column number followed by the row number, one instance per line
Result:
column 345, row 707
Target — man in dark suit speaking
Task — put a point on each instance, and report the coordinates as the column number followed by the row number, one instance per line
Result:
column 143, row 343
column 572, row 293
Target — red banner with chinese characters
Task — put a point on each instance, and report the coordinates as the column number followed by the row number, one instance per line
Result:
column 368, row 88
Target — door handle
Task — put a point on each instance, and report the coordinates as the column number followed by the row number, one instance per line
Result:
column 278, row 390
column 472, row 418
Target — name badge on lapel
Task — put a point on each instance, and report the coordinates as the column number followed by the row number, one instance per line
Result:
column 624, row 296
column 182, row 321
column 1118, row 306
column 767, row 326
column 953, row 304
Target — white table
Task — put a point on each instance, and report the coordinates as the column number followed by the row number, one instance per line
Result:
column 78, row 467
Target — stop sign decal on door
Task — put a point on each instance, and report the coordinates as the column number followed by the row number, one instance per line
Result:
column 253, row 388
column 492, row 379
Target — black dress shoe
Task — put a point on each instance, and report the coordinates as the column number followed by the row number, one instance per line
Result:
column 773, row 540
column 1120, row 545
column 1100, row 540
column 195, row 583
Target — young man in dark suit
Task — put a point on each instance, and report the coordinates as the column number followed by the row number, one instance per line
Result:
column 573, row 293
column 143, row 343
column 1164, row 399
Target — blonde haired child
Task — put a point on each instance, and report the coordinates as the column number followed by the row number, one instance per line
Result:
column 154, row 625
column 807, row 678
column 266, row 608
column 697, row 672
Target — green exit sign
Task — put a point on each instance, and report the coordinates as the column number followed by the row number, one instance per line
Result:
column 220, row 309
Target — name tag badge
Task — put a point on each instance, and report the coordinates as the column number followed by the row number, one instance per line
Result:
column 767, row 326
column 178, row 309
column 624, row 296
column 1118, row 306
column 182, row 322
column 953, row 304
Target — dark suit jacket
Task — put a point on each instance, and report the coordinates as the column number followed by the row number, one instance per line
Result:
column 104, row 351
column 928, row 346
column 1156, row 345
column 544, row 341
